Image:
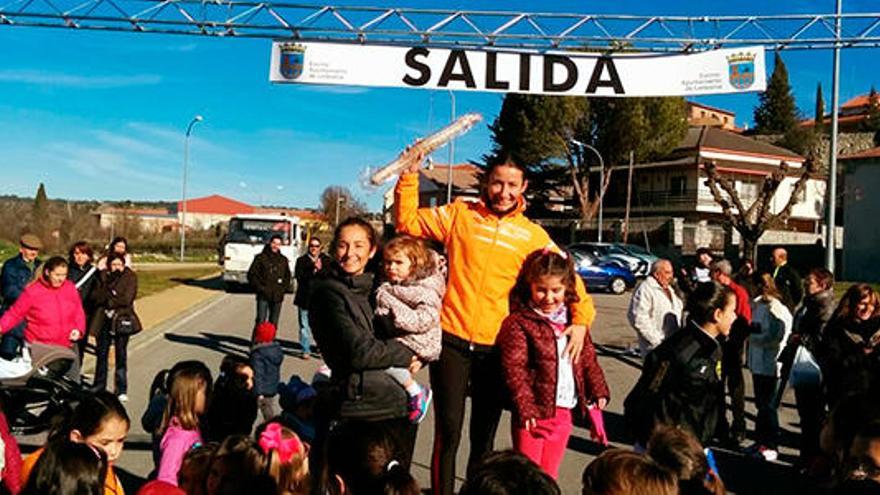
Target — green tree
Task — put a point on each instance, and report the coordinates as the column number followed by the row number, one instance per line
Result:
column 820, row 111
column 538, row 131
column 40, row 214
column 532, row 129
column 776, row 112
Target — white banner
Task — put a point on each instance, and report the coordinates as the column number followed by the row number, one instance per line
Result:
column 730, row 70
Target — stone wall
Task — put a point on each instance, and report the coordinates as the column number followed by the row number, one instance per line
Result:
column 848, row 143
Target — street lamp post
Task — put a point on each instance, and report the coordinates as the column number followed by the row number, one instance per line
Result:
column 451, row 154
column 189, row 128
column 601, row 174
column 339, row 200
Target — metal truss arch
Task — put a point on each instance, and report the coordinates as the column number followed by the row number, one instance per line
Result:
column 446, row 28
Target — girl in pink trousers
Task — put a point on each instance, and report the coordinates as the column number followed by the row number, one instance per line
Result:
column 544, row 384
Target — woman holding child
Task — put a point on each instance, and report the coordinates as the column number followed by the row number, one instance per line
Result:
column 341, row 317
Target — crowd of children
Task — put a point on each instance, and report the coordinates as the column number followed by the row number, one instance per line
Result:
column 204, row 440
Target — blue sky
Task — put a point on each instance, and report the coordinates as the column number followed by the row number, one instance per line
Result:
column 101, row 115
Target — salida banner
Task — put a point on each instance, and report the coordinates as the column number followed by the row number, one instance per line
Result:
column 547, row 72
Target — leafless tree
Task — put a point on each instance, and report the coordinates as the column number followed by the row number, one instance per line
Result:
column 753, row 221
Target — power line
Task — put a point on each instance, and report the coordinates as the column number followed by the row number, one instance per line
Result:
column 449, row 28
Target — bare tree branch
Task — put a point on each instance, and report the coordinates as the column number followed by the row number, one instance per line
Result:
column 712, row 181
column 796, row 191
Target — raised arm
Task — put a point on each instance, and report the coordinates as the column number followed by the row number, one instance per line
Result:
column 431, row 223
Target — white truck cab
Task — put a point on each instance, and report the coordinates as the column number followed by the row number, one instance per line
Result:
column 248, row 235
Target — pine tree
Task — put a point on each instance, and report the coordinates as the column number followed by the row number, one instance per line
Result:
column 40, row 213
column 820, row 110
column 776, row 113
column 534, row 129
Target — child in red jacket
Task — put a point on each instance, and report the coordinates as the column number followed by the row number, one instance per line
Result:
column 544, row 385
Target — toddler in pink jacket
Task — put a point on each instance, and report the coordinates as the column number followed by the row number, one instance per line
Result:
column 411, row 297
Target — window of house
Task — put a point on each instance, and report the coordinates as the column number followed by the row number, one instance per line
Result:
column 748, row 192
column 677, row 185
column 702, row 113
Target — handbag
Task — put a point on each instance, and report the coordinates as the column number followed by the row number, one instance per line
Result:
column 805, row 370
column 125, row 324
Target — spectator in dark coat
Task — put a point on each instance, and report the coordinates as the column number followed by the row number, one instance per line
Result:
column 114, row 298
column 787, row 280
column 808, row 330
column 307, row 267
column 232, row 409
column 85, row 276
column 681, row 379
column 16, row 274
column 852, row 345
column 266, row 359
column 269, row 275
column 732, row 356
column 699, row 273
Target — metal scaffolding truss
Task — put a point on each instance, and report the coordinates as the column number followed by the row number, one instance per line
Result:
column 437, row 27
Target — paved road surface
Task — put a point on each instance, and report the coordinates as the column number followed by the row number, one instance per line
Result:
column 224, row 325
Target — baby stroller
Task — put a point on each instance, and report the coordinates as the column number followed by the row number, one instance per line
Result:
column 33, row 400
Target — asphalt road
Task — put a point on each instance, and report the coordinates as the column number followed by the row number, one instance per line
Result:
column 223, row 326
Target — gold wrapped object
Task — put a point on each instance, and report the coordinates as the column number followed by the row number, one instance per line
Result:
column 425, row 146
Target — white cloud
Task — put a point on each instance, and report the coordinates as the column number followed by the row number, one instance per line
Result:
column 77, row 81
column 136, row 147
column 105, row 165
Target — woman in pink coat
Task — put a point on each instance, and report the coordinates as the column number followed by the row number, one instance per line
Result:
column 52, row 308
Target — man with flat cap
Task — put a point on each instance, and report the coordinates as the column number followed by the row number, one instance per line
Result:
column 17, row 272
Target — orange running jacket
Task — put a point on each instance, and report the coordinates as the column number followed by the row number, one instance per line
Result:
column 485, row 254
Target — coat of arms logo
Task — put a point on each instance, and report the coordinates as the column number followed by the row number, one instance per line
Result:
column 292, row 59
column 741, row 69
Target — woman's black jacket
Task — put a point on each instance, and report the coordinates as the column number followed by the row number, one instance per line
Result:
column 341, row 318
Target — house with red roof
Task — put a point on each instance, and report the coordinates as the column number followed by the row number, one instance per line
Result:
column 852, row 114
column 210, row 210
column 672, row 192
column 201, row 213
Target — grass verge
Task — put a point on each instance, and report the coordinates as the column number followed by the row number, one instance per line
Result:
column 151, row 282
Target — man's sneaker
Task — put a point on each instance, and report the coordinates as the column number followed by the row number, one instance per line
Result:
column 123, row 398
column 418, row 405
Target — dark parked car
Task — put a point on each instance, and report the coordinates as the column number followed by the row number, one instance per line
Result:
column 636, row 258
column 603, row 275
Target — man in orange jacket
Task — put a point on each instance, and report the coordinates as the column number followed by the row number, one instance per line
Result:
column 486, row 243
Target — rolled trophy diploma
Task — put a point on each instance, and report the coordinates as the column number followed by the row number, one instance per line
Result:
column 424, row 147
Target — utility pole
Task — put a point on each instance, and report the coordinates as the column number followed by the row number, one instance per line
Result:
column 831, row 195
column 629, row 183
column 451, row 154
column 189, row 128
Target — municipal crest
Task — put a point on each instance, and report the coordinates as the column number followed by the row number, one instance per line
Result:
column 741, row 69
column 292, row 59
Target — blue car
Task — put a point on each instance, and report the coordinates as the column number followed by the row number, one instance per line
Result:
column 603, row 275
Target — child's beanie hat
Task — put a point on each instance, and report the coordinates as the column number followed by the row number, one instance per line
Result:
column 265, row 332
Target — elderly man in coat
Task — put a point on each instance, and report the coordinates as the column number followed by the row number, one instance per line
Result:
column 655, row 309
